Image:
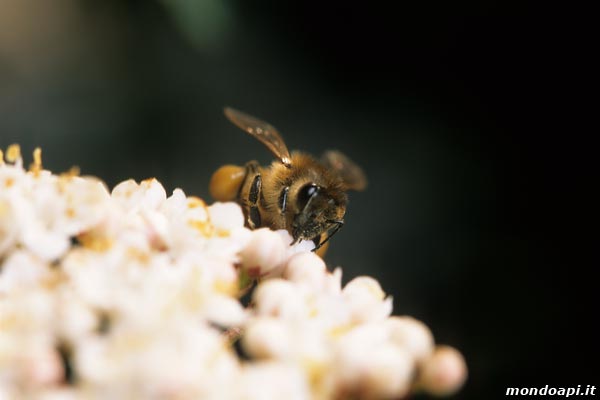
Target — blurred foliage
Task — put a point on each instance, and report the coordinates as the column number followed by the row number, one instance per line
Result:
column 204, row 22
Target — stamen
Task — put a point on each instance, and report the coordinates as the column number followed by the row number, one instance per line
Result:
column 13, row 153
column 36, row 166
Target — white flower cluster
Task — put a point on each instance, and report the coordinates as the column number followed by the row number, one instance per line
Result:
column 133, row 294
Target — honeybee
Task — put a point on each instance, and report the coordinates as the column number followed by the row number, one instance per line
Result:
column 297, row 192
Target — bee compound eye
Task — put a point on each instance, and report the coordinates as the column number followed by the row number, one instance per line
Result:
column 305, row 193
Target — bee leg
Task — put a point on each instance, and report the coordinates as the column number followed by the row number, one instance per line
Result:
column 337, row 227
column 321, row 251
column 320, row 247
column 283, row 197
column 317, row 240
column 254, row 220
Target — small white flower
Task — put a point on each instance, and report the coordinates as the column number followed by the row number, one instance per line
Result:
column 364, row 287
column 148, row 194
column 301, row 247
column 8, row 226
column 60, row 393
column 367, row 300
column 444, row 372
column 140, row 293
column 224, row 311
column 264, row 253
column 44, row 243
column 21, row 269
column 412, row 335
column 306, row 268
column 30, row 311
column 333, row 282
column 126, row 194
column 86, row 202
column 157, row 229
column 42, row 367
column 75, row 318
column 272, row 381
column 93, row 362
column 226, row 216
column 386, row 373
column 267, row 338
column 154, row 193
column 279, row 298
column 370, row 366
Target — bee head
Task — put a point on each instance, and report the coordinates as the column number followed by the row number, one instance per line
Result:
column 320, row 210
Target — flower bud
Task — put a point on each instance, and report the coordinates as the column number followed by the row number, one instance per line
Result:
column 266, row 338
column 226, row 216
column 153, row 193
column 370, row 367
column 224, row 311
column 43, row 367
column 364, row 286
column 279, row 298
column 387, row 373
column 306, row 269
column 444, row 372
column 412, row 335
column 75, row 318
column 272, row 381
column 366, row 300
column 21, row 269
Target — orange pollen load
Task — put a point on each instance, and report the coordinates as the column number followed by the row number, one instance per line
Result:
column 226, row 182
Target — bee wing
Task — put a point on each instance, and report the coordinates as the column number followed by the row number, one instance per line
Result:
column 352, row 175
column 262, row 131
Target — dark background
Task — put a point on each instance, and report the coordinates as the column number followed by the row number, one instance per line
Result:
column 460, row 112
